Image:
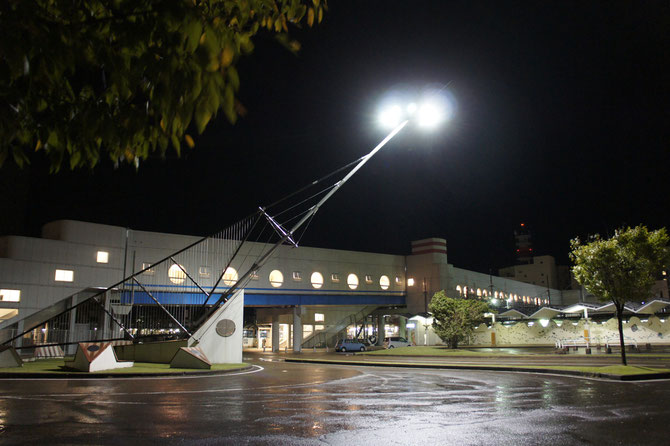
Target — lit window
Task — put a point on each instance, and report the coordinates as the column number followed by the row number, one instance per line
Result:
column 368, row 278
column 102, row 257
column 10, row 295
column 276, row 278
column 316, row 279
column 384, row 282
column 205, row 271
column 8, row 313
column 352, row 281
column 459, row 289
column 148, row 270
column 296, row 276
column 318, row 327
column 230, row 276
column 335, row 277
column 479, row 292
column 410, row 281
column 307, row 330
column 64, row 275
column 495, row 295
column 398, row 280
column 176, row 275
column 319, row 317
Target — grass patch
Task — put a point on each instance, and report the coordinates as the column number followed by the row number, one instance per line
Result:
column 611, row 369
column 434, row 351
column 440, row 351
column 57, row 366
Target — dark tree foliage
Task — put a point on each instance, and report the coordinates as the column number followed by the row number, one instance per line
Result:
column 82, row 80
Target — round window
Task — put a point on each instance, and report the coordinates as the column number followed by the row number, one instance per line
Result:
column 176, row 275
column 276, row 278
column 352, row 281
column 230, row 276
column 317, row 279
column 384, row 282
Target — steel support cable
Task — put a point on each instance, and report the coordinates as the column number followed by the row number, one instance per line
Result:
column 323, row 191
column 314, row 183
column 305, row 228
column 295, row 217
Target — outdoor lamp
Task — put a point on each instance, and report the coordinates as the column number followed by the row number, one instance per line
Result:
column 431, row 109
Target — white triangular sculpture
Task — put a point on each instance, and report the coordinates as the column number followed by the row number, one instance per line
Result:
column 9, row 357
column 95, row 357
column 190, row 358
column 220, row 337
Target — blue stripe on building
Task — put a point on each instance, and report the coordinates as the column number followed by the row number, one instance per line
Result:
column 170, row 298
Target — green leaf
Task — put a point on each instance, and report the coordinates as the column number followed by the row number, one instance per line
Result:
column 75, row 158
column 229, row 104
column 176, row 144
column 192, row 32
column 202, row 115
column 234, row 78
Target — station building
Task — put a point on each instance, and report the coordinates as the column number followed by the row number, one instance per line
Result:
column 330, row 293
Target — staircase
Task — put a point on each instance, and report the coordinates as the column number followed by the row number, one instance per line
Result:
column 330, row 335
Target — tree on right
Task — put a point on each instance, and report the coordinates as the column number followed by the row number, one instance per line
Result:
column 622, row 268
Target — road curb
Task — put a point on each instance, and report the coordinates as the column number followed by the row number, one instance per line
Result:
column 642, row 377
column 103, row 375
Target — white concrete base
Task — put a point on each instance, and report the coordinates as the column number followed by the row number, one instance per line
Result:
column 190, row 358
column 95, row 357
column 222, row 349
column 9, row 357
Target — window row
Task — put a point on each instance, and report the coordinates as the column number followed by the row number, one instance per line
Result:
column 464, row 291
column 177, row 275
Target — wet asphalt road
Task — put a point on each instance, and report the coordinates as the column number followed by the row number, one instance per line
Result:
column 304, row 404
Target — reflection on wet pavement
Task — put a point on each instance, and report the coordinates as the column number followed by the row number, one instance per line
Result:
column 282, row 403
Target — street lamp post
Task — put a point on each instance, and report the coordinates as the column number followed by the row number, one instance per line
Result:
column 428, row 115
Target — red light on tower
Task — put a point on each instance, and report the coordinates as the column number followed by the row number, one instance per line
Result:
column 522, row 239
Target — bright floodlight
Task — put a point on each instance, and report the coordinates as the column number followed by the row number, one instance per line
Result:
column 426, row 109
column 391, row 116
column 430, row 115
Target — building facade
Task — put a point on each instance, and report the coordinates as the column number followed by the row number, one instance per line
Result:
column 328, row 290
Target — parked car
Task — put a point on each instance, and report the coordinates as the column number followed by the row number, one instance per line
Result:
column 350, row 345
column 396, row 341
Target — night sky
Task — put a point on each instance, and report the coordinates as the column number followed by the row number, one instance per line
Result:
column 561, row 122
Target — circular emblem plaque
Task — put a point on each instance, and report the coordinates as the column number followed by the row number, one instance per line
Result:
column 93, row 348
column 225, row 328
